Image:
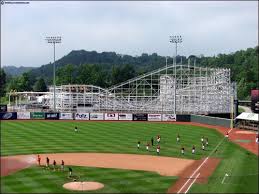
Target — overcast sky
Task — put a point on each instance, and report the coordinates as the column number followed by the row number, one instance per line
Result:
column 132, row 28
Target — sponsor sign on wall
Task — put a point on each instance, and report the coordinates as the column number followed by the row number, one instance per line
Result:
column 154, row 117
column 111, row 116
column 169, row 117
column 52, row 115
column 23, row 115
column 3, row 108
column 8, row 115
column 125, row 117
column 65, row 115
column 140, row 117
column 82, row 116
column 37, row 115
column 96, row 116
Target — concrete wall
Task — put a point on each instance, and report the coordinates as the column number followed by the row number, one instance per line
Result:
column 210, row 120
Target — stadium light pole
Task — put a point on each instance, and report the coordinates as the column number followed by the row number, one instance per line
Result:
column 176, row 40
column 54, row 40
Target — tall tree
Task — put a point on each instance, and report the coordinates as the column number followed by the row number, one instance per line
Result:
column 25, row 83
column 40, row 86
column 66, row 74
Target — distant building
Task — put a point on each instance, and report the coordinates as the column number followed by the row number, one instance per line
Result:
column 255, row 101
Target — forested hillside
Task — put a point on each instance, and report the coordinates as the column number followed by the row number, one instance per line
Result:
column 16, row 71
column 108, row 68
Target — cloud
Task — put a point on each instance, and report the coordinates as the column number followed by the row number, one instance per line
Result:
column 125, row 27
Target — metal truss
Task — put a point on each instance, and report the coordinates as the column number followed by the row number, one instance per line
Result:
column 192, row 89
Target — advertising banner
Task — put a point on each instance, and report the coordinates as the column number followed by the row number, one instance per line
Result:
column 82, row 116
column 125, row 117
column 111, row 116
column 52, row 115
column 23, row 115
column 37, row 115
column 66, row 115
column 8, row 115
column 96, row 116
column 169, row 117
column 154, row 117
column 140, row 117
column 3, row 108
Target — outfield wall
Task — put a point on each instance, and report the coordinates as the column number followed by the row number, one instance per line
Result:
column 115, row 117
column 109, row 116
column 210, row 120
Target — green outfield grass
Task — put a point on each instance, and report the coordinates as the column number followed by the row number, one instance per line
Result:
column 52, row 137
column 38, row 180
column 30, row 137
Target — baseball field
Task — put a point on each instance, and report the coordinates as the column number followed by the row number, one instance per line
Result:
column 106, row 152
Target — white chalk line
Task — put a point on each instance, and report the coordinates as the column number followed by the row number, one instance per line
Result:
column 192, row 183
column 201, row 165
column 223, row 178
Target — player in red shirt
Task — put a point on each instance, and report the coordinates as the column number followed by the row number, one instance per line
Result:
column 54, row 165
column 227, row 134
column 62, row 165
column 158, row 138
column 39, row 159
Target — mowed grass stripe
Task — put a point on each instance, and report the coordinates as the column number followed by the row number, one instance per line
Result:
column 39, row 180
column 33, row 136
column 116, row 137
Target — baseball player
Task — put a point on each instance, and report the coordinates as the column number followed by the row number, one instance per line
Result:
column 158, row 149
column 182, row 150
column 62, row 165
column 147, row 146
column 178, row 138
column 152, row 141
column 76, row 130
column 256, row 139
column 39, row 159
column 54, row 165
column 193, row 149
column 203, row 147
column 202, row 139
column 70, row 171
column 138, row 144
column 227, row 134
column 207, row 141
column 47, row 162
column 158, row 138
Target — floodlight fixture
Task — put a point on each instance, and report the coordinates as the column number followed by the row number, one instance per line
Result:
column 176, row 39
column 54, row 40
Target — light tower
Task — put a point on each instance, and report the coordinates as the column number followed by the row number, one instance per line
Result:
column 176, row 40
column 54, row 40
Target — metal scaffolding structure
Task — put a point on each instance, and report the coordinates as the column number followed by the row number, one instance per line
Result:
column 198, row 90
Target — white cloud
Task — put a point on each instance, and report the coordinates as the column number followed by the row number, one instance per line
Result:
column 125, row 27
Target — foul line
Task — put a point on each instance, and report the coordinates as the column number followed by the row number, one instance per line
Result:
column 192, row 183
column 201, row 165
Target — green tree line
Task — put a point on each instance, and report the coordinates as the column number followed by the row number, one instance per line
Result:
column 111, row 69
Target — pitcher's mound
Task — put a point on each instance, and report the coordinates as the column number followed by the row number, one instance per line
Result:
column 83, row 186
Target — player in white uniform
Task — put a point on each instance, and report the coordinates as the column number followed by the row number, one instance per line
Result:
column 193, row 149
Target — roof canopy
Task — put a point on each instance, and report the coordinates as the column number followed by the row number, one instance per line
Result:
column 248, row 116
